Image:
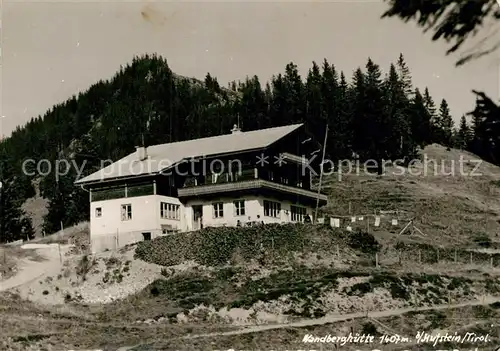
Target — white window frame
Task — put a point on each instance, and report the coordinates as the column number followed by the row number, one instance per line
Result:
column 98, row 212
column 218, row 209
column 126, row 212
column 215, row 177
column 297, row 213
column 272, row 209
column 170, row 211
column 239, row 208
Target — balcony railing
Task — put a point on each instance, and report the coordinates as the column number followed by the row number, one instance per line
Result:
column 244, row 176
column 220, row 178
column 247, row 185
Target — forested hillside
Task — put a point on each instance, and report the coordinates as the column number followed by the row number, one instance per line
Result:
column 374, row 114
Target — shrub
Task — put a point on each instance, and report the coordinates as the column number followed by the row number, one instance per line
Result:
column 495, row 305
column 84, row 266
column 437, row 319
column 369, row 329
column 217, row 246
column 360, row 289
column 68, row 298
column 363, row 241
column 112, row 261
column 181, row 287
column 483, row 240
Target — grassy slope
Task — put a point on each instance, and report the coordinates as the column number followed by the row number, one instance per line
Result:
column 450, row 210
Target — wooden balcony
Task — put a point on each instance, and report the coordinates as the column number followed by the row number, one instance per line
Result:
column 251, row 184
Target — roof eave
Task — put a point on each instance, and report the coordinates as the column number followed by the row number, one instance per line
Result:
column 108, row 180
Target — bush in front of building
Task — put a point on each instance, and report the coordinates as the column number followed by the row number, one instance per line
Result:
column 218, row 246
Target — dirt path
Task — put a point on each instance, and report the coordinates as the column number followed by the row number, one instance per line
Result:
column 341, row 318
column 32, row 270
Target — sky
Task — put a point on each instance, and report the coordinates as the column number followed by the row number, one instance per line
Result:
column 52, row 50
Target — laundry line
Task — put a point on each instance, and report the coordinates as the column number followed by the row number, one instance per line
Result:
column 335, row 221
column 363, row 215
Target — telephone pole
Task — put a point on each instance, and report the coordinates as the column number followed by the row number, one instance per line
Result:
column 321, row 176
column 1, row 209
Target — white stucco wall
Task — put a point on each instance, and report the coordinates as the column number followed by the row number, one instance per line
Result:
column 254, row 205
column 252, row 209
column 110, row 232
column 285, row 215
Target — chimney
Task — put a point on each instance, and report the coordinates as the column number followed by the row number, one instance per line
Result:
column 235, row 129
column 141, row 153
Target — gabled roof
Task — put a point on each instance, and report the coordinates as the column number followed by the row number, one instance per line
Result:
column 163, row 156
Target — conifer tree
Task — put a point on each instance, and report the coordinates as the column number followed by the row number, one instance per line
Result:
column 420, row 120
column 314, row 100
column 445, row 126
column 396, row 104
column 434, row 116
column 486, row 122
column 378, row 134
column 295, row 103
column 405, row 77
column 279, row 98
column 359, row 127
column 11, row 214
column 252, row 106
column 343, row 110
column 330, row 94
column 463, row 135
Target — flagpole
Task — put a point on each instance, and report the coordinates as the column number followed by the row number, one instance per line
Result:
column 320, row 176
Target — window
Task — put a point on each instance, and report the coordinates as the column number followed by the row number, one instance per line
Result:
column 298, row 213
column 239, row 208
column 98, row 212
column 215, row 176
column 218, row 210
column 272, row 209
column 170, row 211
column 126, row 212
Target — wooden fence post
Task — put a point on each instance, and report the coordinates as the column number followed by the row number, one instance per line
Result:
column 376, row 259
column 471, row 257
